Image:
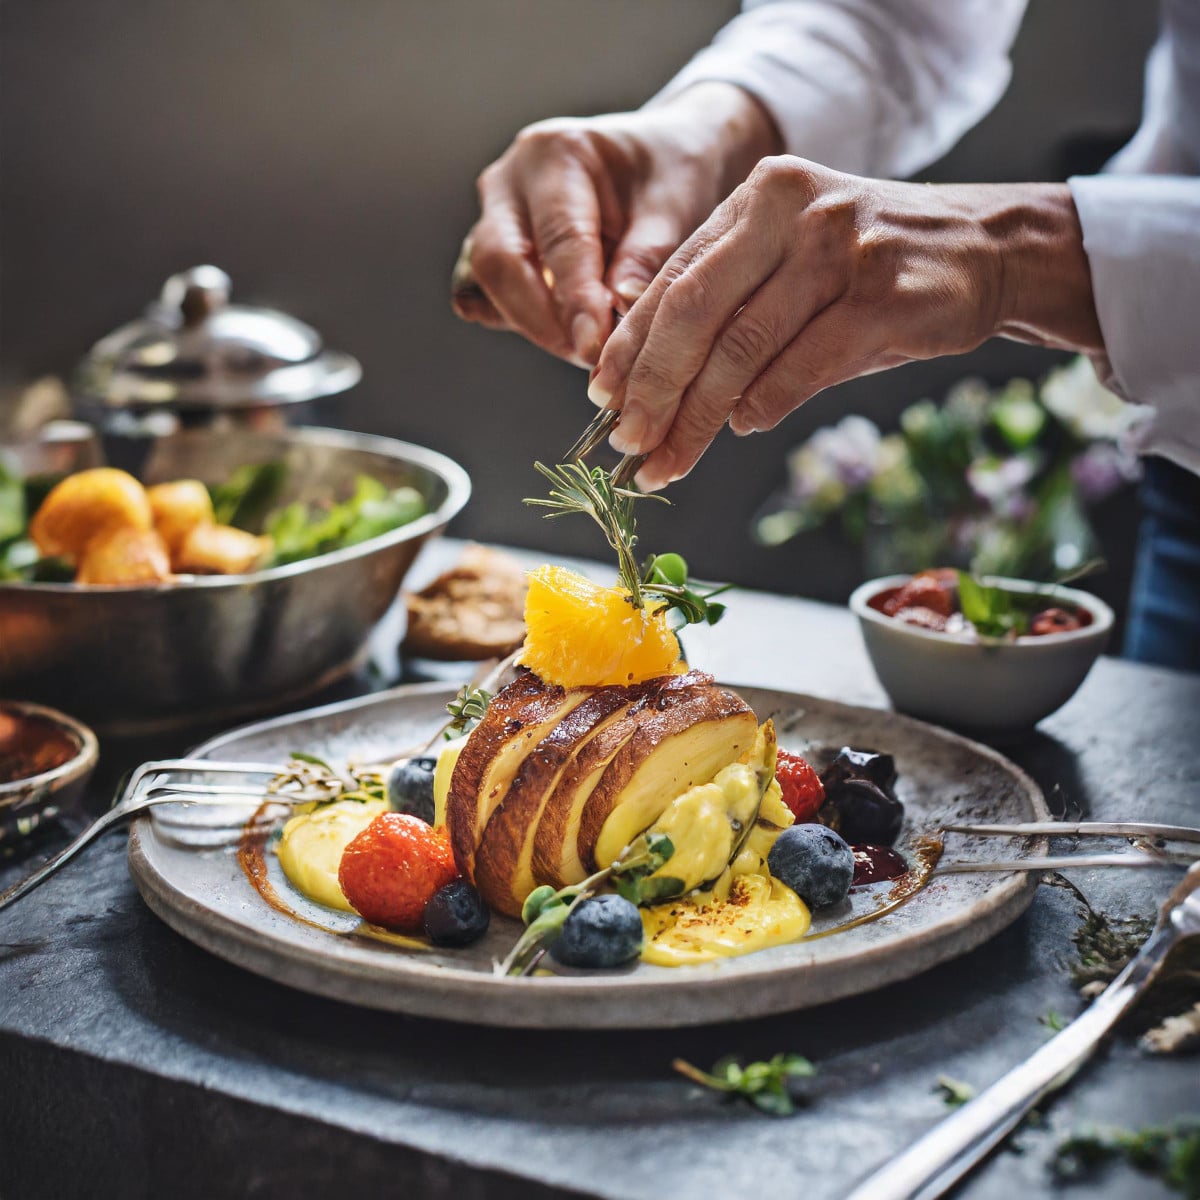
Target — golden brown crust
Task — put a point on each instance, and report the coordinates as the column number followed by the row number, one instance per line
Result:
column 702, row 706
column 513, row 824
column 524, row 700
column 593, row 755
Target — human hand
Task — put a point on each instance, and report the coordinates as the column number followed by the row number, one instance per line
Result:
column 805, row 277
column 579, row 214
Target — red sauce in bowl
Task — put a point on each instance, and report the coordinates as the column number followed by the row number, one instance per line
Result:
column 930, row 599
column 32, row 745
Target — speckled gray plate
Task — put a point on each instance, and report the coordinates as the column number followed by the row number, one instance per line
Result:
column 203, row 894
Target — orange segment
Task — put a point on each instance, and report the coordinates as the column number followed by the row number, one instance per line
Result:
column 579, row 634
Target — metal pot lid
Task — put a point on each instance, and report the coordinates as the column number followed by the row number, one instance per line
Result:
column 194, row 350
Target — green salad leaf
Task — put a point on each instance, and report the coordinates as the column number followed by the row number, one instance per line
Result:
column 301, row 530
column 248, row 495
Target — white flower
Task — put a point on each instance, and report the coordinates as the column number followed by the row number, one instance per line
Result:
column 1084, row 405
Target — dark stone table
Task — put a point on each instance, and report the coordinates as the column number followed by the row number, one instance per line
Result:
column 134, row 1064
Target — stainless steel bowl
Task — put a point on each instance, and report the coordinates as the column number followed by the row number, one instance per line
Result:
column 138, row 659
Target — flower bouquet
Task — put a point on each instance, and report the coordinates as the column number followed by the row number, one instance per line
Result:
column 996, row 481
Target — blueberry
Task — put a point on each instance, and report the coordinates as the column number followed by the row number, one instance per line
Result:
column 410, row 787
column 603, row 931
column 814, row 862
column 456, row 915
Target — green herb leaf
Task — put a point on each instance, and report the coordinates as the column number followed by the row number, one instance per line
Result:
column 545, row 910
column 576, row 488
column 301, row 756
column 955, row 1093
column 763, row 1084
column 1170, row 1153
column 667, row 568
column 1054, row 1021
column 537, row 901
column 467, row 710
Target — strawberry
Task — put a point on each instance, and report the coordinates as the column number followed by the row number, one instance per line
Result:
column 389, row 871
column 802, row 790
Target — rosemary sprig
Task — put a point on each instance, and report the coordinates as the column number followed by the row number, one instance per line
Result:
column 545, row 910
column 575, row 488
column 763, row 1084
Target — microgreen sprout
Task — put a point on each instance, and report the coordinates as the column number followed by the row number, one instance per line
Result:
column 546, row 910
column 763, row 1084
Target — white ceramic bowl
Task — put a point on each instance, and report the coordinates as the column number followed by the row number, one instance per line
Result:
column 993, row 688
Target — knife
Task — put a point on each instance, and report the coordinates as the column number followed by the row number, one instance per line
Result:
column 933, row 1163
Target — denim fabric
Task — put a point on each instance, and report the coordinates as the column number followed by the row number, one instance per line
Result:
column 1164, row 618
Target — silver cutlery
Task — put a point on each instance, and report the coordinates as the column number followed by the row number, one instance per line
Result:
column 935, row 1162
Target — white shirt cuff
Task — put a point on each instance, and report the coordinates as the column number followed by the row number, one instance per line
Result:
column 1142, row 238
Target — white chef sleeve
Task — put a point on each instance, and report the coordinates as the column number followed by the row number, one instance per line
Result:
column 875, row 87
column 1142, row 238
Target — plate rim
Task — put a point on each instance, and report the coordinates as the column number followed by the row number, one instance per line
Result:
column 415, row 990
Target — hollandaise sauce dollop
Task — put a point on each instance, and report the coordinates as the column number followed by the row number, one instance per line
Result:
column 311, row 844
column 757, row 912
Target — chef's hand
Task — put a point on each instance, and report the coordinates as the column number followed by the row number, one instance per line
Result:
column 578, row 215
column 805, row 277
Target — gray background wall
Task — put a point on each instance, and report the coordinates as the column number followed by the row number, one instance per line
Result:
column 324, row 154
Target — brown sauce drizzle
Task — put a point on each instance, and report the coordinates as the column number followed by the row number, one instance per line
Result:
column 927, row 852
column 252, row 858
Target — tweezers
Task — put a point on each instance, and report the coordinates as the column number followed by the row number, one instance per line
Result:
column 598, row 429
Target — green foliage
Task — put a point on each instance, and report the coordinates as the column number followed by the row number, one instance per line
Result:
column 301, row 530
column 1054, row 1021
column 1170, row 1153
column 248, row 495
column 576, row 488
column 994, row 479
column 955, row 1093
column 545, row 910
column 763, row 1084
column 1105, row 945
column 466, row 710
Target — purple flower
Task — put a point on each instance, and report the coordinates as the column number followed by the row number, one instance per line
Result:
column 1101, row 469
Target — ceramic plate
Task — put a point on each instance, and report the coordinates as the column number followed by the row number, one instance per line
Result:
column 202, row 892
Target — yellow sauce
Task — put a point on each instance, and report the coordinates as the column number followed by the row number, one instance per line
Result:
column 447, row 758
column 758, row 912
column 310, row 847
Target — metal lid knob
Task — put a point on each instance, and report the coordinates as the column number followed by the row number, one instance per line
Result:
column 196, row 351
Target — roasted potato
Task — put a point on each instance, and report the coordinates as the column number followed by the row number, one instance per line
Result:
column 177, row 508
column 85, row 505
column 124, row 555
column 221, row 550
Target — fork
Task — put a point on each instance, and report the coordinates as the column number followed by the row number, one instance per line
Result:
column 1149, row 840
column 160, row 782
